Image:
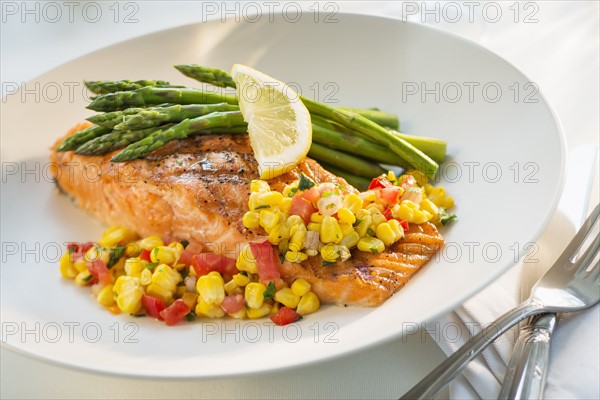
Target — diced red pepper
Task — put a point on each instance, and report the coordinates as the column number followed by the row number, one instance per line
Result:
column 268, row 263
column 404, row 224
column 186, row 257
column 100, row 272
column 302, row 208
column 145, row 255
column 387, row 213
column 175, row 312
column 233, row 304
column 153, row 306
column 285, row 316
column 379, row 183
column 208, row 262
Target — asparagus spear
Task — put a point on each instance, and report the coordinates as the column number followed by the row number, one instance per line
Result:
column 176, row 113
column 77, row 139
column 142, row 148
column 348, row 162
column 110, row 119
column 214, row 76
column 434, row 148
column 115, row 140
column 218, row 77
column 150, row 95
column 377, row 133
column 357, row 181
column 105, row 87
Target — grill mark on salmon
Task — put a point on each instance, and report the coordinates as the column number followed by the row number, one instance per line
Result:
column 197, row 189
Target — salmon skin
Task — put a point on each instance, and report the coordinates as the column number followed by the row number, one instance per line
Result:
column 197, row 190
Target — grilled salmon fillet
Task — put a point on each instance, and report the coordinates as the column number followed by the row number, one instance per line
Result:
column 197, row 189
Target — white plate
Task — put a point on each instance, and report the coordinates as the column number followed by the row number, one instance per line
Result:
column 509, row 155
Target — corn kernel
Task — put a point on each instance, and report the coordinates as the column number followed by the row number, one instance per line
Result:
column 429, row 206
column 350, row 240
column 448, row 202
column 330, row 252
column 254, row 313
column 151, row 242
column 134, row 267
column 278, row 233
column 364, row 225
column 346, row 216
column 245, row 261
column 274, row 309
column 295, row 256
column 285, row 205
column 252, row 201
column 314, row 226
column 258, row 186
column 346, row 229
column 352, row 202
column 80, row 265
column 211, row 288
column 437, row 195
column 177, row 248
column 254, row 294
column 391, row 176
column 371, row 245
column 268, row 199
column 146, row 277
column 290, row 190
column 241, row 314
column 379, row 218
column 163, row 255
column 166, row 277
column 105, row 296
column 428, row 188
column 283, row 246
column 241, row 279
column 330, row 230
column 67, row 270
column 294, row 220
column 286, row 297
column 311, row 252
column 297, row 240
column 300, row 287
column 208, row 309
column 309, row 303
column 385, row 233
column 97, row 253
column 316, row 217
column 232, row 288
column 180, row 291
column 115, row 235
column 420, row 178
column 133, row 249
column 83, row 278
column 362, row 214
column 160, row 292
column 190, row 299
column 397, row 228
column 268, row 219
column 375, row 209
column 129, row 294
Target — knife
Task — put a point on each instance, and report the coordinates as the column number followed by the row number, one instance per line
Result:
column 528, row 367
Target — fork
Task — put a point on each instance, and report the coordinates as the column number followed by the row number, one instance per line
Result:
column 567, row 287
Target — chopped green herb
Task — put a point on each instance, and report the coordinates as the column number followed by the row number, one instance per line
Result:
column 184, row 243
column 282, row 258
column 357, row 222
column 370, row 232
column 88, row 278
column 115, row 255
column 327, row 263
column 184, row 274
column 326, row 194
column 305, row 182
column 138, row 315
column 151, row 266
column 190, row 316
column 446, row 218
column 270, row 291
column 243, row 273
column 329, row 206
column 299, row 318
column 374, row 250
column 71, row 250
column 261, row 207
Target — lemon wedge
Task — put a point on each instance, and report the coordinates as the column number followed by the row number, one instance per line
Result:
column 279, row 124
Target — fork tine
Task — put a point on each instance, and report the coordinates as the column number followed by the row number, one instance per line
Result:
column 587, row 257
column 595, row 272
column 573, row 247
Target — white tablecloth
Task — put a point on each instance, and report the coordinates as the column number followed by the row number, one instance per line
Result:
column 555, row 43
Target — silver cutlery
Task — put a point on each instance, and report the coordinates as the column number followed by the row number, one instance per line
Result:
column 570, row 285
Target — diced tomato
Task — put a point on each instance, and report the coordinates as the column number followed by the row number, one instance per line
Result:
column 153, row 306
column 267, row 261
column 78, row 250
column 302, row 207
column 145, row 256
column 233, row 304
column 285, row 316
column 86, row 246
column 100, row 272
column 175, row 312
column 404, row 224
column 390, row 195
column 311, row 195
column 379, row 183
column 186, row 257
column 208, row 262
